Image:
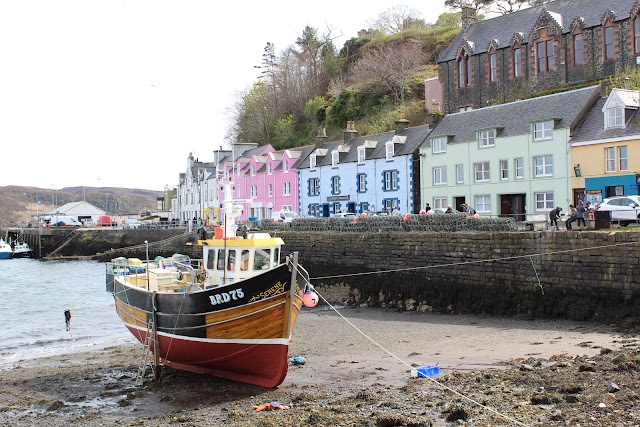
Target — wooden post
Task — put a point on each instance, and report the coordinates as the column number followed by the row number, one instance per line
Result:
column 292, row 292
column 156, row 343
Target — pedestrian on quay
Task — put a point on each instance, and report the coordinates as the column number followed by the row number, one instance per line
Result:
column 554, row 216
column 581, row 214
column 572, row 216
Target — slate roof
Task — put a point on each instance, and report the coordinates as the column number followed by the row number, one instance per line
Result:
column 593, row 127
column 515, row 118
column 415, row 136
column 502, row 28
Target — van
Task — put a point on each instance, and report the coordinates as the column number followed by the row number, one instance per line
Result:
column 64, row 221
column 104, row 220
column 284, row 216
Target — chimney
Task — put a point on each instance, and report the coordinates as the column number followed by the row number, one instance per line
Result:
column 401, row 125
column 350, row 132
column 321, row 138
column 469, row 16
column 627, row 82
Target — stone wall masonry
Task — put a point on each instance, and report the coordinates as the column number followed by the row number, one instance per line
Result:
column 572, row 275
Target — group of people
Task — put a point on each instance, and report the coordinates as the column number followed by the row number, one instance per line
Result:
column 578, row 213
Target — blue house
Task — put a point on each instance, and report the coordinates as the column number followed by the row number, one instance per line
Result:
column 362, row 173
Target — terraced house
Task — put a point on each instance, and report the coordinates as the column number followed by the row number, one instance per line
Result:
column 511, row 159
column 559, row 44
column 362, row 173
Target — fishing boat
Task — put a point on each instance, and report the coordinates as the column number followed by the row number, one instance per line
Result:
column 230, row 314
column 5, row 250
column 22, row 250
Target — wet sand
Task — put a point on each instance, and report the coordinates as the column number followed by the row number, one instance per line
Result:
column 357, row 372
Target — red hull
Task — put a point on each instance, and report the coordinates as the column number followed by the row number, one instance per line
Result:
column 263, row 364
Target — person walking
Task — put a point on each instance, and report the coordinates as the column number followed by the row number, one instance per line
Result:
column 573, row 216
column 581, row 214
column 554, row 216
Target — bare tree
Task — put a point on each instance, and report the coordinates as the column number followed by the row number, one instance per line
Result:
column 501, row 7
column 398, row 18
column 390, row 66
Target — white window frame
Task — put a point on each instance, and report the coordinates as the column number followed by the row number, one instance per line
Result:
column 615, row 117
column 543, row 169
column 438, row 145
column 285, row 166
column 610, row 159
column 518, row 165
column 253, row 170
column 335, row 185
column 361, row 155
column 361, row 183
column 268, row 168
column 504, row 170
column 440, row 203
column 388, row 150
column 543, row 131
column 623, row 158
column 313, row 159
column 459, row 174
column 482, row 171
column 544, row 200
column 335, row 158
column 254, row 191
column 483, row 203
column 286, row 188
column 487, row 138
column 390, row 180
column 440, row 175
column 270, row 190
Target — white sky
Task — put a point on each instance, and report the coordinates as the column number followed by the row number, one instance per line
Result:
column 117, row 93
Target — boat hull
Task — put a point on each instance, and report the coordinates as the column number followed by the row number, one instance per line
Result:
column 6, row 255
column 25, row 254
column 240, row 332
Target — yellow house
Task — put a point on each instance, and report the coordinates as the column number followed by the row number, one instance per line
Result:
column 605, row 150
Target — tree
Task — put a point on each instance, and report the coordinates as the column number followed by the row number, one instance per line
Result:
column 398, row 18
column 449, row 19
column 501, row 7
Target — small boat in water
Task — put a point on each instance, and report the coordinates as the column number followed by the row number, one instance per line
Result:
column 22, row 250
column 6, row 252
column 230, row 314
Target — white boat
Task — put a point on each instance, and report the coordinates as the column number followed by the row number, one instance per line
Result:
column 22, row 250
column 5, row 250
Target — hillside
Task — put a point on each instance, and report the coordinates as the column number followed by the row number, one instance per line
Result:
column 18, row 203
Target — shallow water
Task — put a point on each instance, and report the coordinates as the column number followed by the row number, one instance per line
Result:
column 34, row 295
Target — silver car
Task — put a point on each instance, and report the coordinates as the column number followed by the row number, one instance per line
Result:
column 624, row 209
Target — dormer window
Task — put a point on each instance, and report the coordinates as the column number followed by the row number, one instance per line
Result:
column 253, row 170
column 438, row 145
column 487, row 138
column 542, row 131
column 361, row 155
column 335, row 158
column 312, row 161
column 388, row 149
column 464, row 70
column 544, row 56
column 285, row 166
column 269, row 168
column 615, row 117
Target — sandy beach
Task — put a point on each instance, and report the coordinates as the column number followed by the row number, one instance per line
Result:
column 493, row 372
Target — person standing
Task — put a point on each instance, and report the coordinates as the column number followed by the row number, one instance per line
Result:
column 554, row 216
column 581, row 213
column 427, row 208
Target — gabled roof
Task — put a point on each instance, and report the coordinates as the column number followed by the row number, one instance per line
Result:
column 592, row 129
column 560, row 13
column 567, row 109
column 622, row 98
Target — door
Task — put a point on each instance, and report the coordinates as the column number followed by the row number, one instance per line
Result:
column 458, row 202
column 351, row 207
column 512, row 205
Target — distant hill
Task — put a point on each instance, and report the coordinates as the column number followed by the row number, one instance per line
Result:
column 18, row 203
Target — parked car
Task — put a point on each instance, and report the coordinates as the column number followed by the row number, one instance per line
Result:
column 624, row 209
column 284, row 216
column 343, row 215
column 132, row 224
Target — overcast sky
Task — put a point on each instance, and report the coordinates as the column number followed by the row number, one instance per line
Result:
column 118, row 93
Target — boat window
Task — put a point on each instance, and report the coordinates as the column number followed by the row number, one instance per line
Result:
column 261, row 259
column 276, row 256
column 244, row 260
column 211, row 257
column 231, row 260
column 220, row 264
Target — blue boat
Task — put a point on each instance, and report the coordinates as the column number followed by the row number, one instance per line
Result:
column 6, row 252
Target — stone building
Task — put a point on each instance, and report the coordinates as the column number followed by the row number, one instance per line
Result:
column 564, row 43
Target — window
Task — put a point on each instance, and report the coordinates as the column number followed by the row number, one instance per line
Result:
column 636, row 35
column 261, row 259
column 285, row 167
column 438, row 145
column 335, row 185
column 388, row 150
column 253, row 170
column 254, row 191
column 361, row 179
column 440, row 175
column 483, row 203
column 335, row 158
column 268, row 168
column 542, row 131
column 464, row 70
column 270, row 190
column 493, row 67
column 361, row 155
column 336, row 207
column 519, row 167
column 488, row 138
column 390, row 204
column 578, row 58
column 543, row 166
column 544, row 201
column 504, row 170
column 623, row 160
column 482, row 171
column 544, row 51
column 610, row 159
column 312, row 161
column 314, row 187
column 314, row 210
column 459, row 174
column 615, row 117
column 440, row 202
column 364, row 207
column 608, row 42
column 286, row 188
column 517, row 62
column 390, row 180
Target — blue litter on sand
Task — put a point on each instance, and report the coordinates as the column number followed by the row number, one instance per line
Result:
column 425, row 371
column 298, row 360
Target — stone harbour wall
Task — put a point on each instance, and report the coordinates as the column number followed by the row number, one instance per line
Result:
column 572, row 275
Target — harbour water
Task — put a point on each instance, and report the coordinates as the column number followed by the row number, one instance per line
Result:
column 34, row 295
